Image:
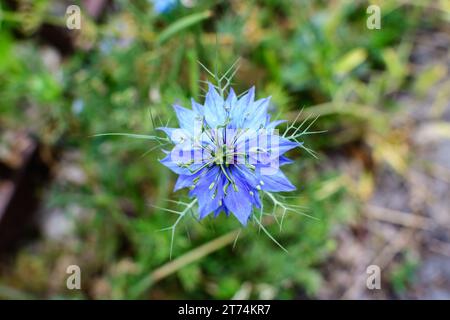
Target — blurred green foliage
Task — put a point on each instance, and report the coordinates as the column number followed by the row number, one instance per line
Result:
column 313, row 54
column 403, row 274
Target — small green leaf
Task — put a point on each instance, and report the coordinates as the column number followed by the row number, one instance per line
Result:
column 182, row 24
column 350, row 61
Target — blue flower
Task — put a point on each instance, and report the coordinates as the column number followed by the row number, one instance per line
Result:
column 227, row 152
column 163, row 6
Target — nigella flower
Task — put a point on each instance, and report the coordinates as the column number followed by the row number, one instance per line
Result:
column 228, row 152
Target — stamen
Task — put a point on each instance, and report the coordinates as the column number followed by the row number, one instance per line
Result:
column 229, row 178
column 225, row 188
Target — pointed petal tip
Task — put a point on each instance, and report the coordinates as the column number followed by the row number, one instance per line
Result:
column 211, row 87
column 243, row 220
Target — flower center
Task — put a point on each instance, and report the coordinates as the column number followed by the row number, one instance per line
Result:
column 224, row 155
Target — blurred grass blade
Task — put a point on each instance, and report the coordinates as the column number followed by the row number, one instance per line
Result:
column 350, row 61
column 182, row 24
column 194, row 72
column 129, row 135
column 175, row 265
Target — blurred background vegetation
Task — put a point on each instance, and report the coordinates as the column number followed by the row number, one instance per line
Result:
column 382, row 97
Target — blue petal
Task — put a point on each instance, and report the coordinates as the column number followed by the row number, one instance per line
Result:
column 244, row 174
column 243, row 106
column 231, row 100
column 172, row 165
column 176, row 135
column 284, row 160
column 186, row 181
column 190, row 152
column 253, row 143
column 250, row 180
column 220, row 209
column 207, row 201
column 284, row 145
column 197, row 107
column 167, row 161
column 239, row 202
column 256, row 117
column 186, row 117
column 276, row 182
column 215, row 114
column 249, row 97
column 274, row 124
column 256, row 199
